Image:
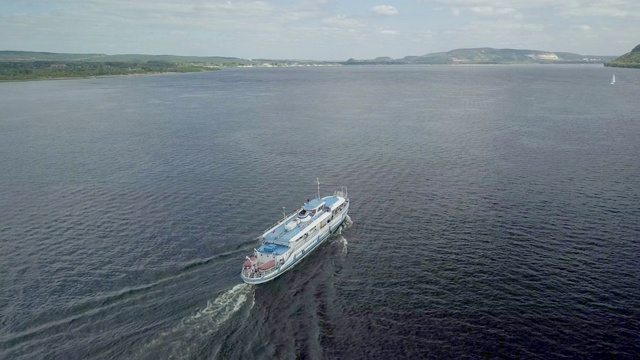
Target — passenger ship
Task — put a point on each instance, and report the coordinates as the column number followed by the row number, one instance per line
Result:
column 290, row 240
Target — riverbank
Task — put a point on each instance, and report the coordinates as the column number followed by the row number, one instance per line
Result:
column 57, row 70
column 103, row 76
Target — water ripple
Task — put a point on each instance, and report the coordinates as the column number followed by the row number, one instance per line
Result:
column 489, row 219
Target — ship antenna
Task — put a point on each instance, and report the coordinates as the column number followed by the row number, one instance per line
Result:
column 318, row 181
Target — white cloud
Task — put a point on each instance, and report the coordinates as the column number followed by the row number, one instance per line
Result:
column 613, row 9
column 573, row 8
column 497, row 26
column 490, row 10
column 384, row 10
column 389, row 32
column 343, row 21
column 299, row 15
column 424, row 34
column 582, row 27
column 317, row 28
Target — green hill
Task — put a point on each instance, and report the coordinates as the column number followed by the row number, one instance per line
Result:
column 46, row 56
column 30, row 65
column 43, row 69
column 491, row 56
column 629, row 60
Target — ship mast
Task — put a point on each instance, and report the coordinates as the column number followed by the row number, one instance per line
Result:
column 318, row 181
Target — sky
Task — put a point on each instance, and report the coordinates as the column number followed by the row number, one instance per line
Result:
column 317, row 29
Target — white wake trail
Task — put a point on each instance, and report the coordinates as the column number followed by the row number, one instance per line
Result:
column 344, row 243
column 341, row 239
column 186, row 338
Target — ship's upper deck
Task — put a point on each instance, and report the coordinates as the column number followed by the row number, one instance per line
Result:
column 286, row 230
column 275, row 249
column 312, row 204
column 330, row 201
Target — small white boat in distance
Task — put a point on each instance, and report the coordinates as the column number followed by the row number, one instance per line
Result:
column 613, row 79
column 293, row 238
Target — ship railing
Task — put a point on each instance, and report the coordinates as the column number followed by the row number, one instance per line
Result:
column 342, row 192
column 258, row 274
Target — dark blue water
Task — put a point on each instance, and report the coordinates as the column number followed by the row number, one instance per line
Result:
column 495, row 213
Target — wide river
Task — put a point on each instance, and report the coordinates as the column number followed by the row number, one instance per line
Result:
column 495, row 212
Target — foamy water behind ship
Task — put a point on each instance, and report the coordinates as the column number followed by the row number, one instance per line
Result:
column 494, row 213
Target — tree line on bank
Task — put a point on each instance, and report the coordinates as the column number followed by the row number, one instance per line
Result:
column 629, row 60
column 29, row 70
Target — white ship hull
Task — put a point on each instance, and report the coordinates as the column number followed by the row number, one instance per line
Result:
column 294, row 238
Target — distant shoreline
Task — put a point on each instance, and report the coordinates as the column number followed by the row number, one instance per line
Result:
column 45, row 78
column 199, row 70
column 20, row 70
